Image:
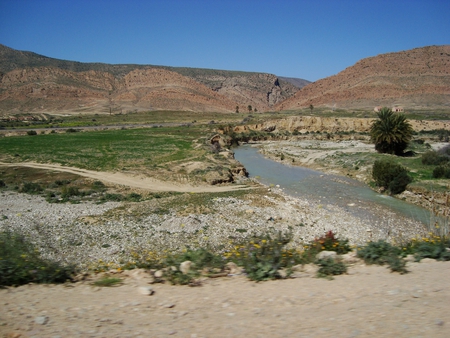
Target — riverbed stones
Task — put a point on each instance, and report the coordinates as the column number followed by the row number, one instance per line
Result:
column 185, row 267
column 326, row 255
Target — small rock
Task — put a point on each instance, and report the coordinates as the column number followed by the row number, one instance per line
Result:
column 146, row 290
column 233, row 269
column 185, row 267
column 250, row 211
column 158, row 274
column 42, row 320
column 439, row 322
column 350, row 258
column 410, row 258
column 282, row 273
column 326, row 254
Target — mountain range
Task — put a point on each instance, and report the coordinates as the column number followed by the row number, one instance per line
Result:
column 33, row 83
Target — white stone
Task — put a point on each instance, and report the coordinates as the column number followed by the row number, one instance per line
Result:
column 185, row 267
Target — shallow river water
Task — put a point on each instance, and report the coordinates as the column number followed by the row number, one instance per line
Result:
column 325, row 189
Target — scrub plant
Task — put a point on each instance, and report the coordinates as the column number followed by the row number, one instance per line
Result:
column 381, row 253
column 21, row 263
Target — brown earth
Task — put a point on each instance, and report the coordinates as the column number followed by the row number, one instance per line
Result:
column 417, row 78
column 133, row 181
column 367, row 302
column 32, row 83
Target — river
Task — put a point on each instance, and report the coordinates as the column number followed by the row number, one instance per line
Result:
column 325, row 189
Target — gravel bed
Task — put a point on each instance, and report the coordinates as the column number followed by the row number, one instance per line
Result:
column 82, row 234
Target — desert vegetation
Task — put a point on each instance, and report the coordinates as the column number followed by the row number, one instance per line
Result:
column 168, row 153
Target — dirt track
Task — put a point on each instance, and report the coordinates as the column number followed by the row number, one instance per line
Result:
column 140, row 182
column 368, row 302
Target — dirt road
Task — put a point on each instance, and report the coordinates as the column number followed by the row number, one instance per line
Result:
column 141, row 182
column 368, row 302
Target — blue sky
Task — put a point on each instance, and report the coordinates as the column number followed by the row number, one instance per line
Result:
column 309, row 39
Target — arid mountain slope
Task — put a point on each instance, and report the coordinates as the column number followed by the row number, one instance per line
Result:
column 413, row 79
column 34, row 83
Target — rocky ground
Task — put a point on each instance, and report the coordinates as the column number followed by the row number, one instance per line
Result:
column 85, row 233
column 368, row 301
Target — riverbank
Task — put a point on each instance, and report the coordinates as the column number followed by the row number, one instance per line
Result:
column 351, row 158
column 85, row 233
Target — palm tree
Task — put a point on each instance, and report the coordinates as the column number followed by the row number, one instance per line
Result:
column 391, row 133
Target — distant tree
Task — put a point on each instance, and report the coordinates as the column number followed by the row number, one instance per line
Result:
column 391, row 132
column 249, row 108
column 311, row 107
column 255, row 110
column 237, row 109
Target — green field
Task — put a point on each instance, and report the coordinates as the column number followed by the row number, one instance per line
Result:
column 106, row 150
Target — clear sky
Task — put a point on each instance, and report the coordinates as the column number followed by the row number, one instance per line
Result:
column 309, row 39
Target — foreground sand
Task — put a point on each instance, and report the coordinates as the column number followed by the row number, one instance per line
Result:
column 368, row 302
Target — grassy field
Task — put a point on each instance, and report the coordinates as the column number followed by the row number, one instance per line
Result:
column 106, row 150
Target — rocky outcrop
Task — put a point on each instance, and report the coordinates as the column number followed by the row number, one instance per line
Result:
column 305, row 124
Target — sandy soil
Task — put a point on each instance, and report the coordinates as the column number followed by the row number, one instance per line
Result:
column 367, row 302
column 141, row 182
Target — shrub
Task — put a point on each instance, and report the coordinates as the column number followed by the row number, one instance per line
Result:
column 31, row 188
column 133, row 197
column 202, row 259
column 381, row 253
column 71, row 130
column 20, row 263
column 434, row 158
column 2, row 184
column 441, row 171
column 329, row 242
column 329, row 267
column 263, row 256
column 391, row 176
column 31, row 132
column 435, row 247
column 68, row 192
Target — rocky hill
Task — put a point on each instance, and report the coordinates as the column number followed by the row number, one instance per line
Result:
column 31, row 82
column 417, row 78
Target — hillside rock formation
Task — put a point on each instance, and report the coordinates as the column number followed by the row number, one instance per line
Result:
column 303, row 124
column 34, row 83
column 417, row 78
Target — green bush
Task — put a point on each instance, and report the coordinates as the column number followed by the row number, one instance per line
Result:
column 202, row 259
column 329, row 267
column 381, row 253
column 391, row 176
column 441, row 171
column 263, row 256
column 432, row 249
column 133, row 197
column 31, row 188
column 67, row 192
column 20, row 263
column 434, row 158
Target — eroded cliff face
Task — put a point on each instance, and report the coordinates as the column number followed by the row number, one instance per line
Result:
column 261, row 91
column 50, row 89
column 305, row 124
column 34, row 83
